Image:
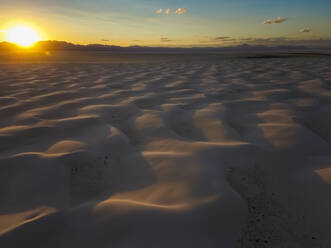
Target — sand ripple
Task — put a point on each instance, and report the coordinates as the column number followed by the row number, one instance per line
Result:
column 228, row 153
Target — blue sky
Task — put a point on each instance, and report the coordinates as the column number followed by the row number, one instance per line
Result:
column 130, row 22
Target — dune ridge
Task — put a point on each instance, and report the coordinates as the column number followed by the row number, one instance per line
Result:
column 226, row 153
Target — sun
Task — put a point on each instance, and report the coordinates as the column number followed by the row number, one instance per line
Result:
column 22, row 36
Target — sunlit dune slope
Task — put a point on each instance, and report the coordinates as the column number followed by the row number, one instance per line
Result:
column 193, row 153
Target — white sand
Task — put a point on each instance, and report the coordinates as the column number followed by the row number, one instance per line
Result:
column 228, row 153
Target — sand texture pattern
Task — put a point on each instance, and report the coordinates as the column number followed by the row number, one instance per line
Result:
column 222, row 153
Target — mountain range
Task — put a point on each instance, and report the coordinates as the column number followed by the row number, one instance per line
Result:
column 62, row 45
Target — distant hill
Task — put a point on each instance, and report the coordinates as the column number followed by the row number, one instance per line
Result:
column 62, row 45
column 7, row 46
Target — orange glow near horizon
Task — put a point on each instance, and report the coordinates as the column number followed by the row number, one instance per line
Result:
column 22, row 35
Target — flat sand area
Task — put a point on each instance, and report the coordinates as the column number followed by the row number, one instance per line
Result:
column 166, row 153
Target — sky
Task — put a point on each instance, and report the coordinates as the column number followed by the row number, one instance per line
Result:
column 178, row 23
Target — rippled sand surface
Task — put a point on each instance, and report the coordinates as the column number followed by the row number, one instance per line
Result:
column 180, row 153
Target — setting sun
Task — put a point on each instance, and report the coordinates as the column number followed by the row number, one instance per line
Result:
column 23, row 36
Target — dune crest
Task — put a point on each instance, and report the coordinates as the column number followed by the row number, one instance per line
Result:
column 185, row 153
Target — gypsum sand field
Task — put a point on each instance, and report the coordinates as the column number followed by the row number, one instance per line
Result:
column 225, row 153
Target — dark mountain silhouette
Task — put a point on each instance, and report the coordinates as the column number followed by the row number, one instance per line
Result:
column 62, row 45
column 7, row 46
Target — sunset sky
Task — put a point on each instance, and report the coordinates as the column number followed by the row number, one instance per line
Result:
column 172, row 22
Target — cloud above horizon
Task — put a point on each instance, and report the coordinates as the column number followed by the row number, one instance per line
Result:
column 165, row 39
column 222, row 38
column 276, row 21
column 269, row 41
column 180, row 11
column 305, row 30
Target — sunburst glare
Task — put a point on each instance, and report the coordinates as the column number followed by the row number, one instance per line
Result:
column 23, row 36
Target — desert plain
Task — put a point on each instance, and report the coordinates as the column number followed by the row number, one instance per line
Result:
column 173, row 151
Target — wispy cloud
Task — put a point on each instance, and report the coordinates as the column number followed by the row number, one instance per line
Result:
column 222, row 38
column 305, row 30
column 268, row 21
column 280, row 20
column 269, row 41
column 218, row 39
column 180, row 11
column 276, row 21
column 165, row 39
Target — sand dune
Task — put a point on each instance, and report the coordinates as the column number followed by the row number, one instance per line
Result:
column 219, row 153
